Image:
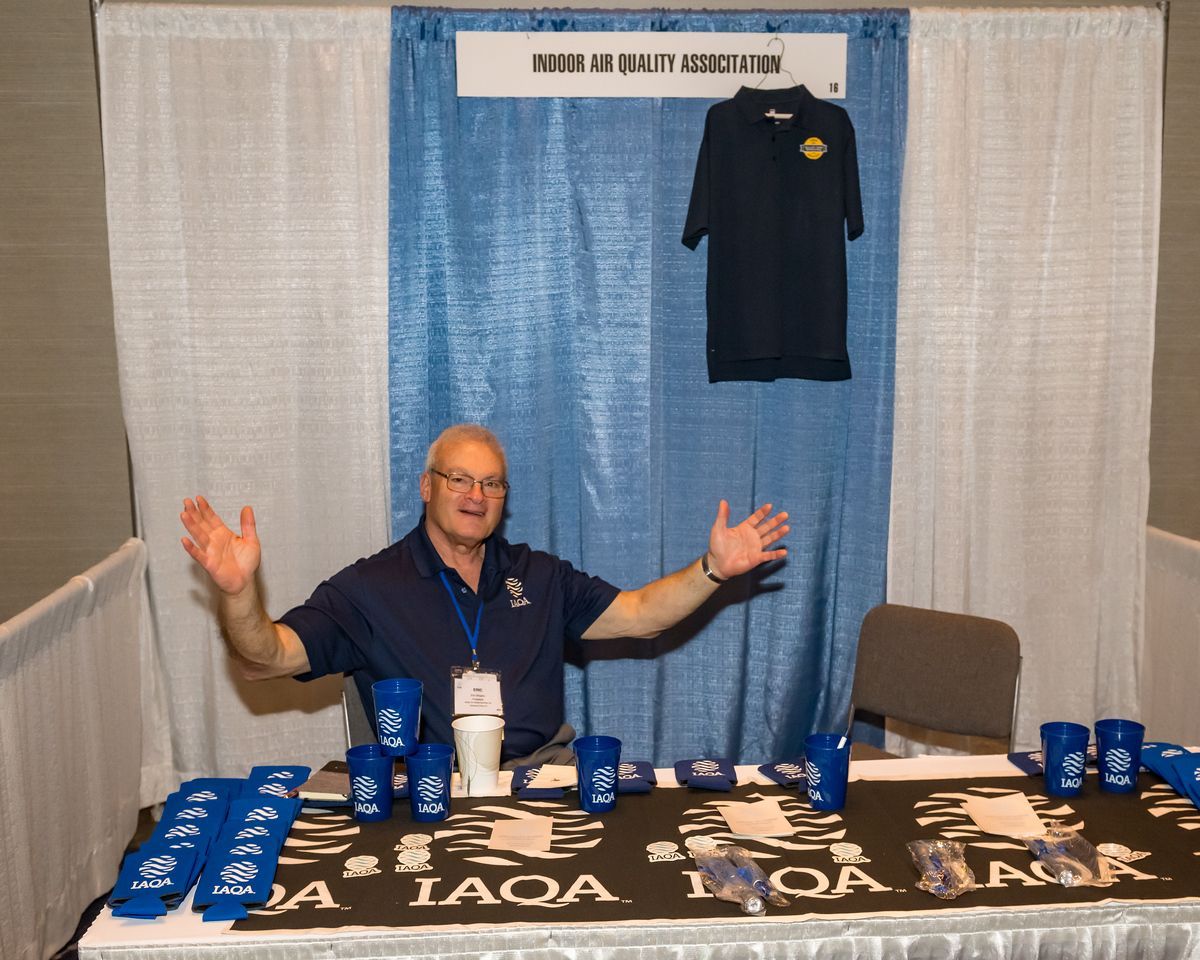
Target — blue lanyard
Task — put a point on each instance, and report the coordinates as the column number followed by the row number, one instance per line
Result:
column 472, row 635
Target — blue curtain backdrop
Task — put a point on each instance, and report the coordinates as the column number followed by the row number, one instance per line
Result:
column 538, row 285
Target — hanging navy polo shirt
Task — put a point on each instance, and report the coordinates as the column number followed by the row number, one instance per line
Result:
column 390, row 616
column 777, row 200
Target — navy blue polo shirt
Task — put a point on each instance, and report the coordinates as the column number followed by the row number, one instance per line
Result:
column 390, row 616
column 777, row 200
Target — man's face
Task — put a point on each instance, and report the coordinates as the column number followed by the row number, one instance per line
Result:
column 464, row 518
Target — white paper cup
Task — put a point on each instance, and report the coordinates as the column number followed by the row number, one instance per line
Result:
column 477, row 740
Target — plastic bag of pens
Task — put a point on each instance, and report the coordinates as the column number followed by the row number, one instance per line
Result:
column 1069, row 856
column 943, row 868
column 730, row 873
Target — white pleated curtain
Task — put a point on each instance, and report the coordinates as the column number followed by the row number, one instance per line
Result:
column 1028, row 260
column 246, row 162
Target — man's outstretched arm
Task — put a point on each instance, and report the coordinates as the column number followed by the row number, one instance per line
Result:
column 732, row 551
column 263, row 649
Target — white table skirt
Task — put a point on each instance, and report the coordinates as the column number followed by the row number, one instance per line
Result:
column 1144, row 930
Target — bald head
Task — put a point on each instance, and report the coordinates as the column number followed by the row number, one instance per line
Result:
column 463, row 433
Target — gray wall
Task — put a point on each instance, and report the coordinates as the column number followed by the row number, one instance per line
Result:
column 64, row 484
column 63, row 472
column 1175, row 417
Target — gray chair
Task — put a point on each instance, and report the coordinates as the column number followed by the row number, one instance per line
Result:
column 944, row 671
column 358, row 727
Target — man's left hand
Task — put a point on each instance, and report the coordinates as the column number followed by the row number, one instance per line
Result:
column 736, row 550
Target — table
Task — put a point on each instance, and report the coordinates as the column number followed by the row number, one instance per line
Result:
column 1141, row 929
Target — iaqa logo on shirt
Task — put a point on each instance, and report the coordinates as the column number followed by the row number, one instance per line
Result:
column 516, row 591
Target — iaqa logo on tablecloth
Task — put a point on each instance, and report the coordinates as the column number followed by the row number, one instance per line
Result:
column 412, row 853
column 819, row 832
column 943, row 812
column 1164, row 803
column 663, row 851
column 466, row 835
column 362, row 866
column 317, row 834
column 573, row 831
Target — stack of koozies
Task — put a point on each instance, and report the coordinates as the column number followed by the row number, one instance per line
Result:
column 1030, row 762
column 1176, row 765
column 241, row 863
column 706, row 774
column 274, row 780
column 226, row 833
column 786, row 773
column 159, row 874
column 635, row 776
column 522, row 776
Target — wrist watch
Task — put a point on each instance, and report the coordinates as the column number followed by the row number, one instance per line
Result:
column 708, row 571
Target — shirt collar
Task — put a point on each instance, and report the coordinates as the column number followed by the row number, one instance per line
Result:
column 429, row 563
column 754, row 103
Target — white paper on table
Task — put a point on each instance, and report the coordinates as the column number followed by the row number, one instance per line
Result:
column 526, row 833
column 761, row 819
column 553, row 775
column 1008, row 815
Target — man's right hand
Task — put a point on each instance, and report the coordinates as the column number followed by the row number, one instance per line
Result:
column 230, row 560
column 263, row 649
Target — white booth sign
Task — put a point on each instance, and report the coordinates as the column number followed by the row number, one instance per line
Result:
column 642, row 64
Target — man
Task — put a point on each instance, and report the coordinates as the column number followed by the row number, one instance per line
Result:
column 456, row 606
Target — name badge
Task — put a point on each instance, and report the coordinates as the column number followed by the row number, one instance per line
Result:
column 477, row 692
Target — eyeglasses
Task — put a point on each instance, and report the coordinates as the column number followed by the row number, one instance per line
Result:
column 461, row 483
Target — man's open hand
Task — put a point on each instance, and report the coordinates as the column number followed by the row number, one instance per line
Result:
column 230, row 560
column 736, row 550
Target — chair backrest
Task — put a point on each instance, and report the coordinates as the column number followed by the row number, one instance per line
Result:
column 944, row 671
column 358, row 727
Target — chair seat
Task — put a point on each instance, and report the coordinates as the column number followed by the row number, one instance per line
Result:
column 864, row 751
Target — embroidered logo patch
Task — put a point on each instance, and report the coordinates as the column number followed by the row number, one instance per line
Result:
column 814, row 148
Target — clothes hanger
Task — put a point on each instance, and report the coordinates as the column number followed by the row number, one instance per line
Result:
column 772, row 114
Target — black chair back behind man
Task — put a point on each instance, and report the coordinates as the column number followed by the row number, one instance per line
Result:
column 949, row 672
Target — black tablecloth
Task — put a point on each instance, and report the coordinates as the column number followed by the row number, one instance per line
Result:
column 631, row 864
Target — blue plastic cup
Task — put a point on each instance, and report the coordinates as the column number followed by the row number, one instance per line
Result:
column 429, row 781
column 1118, row 753
column 397, row 714
column 597, row 760
column 827, row 768
column 370, row 781
column 1064, row 757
